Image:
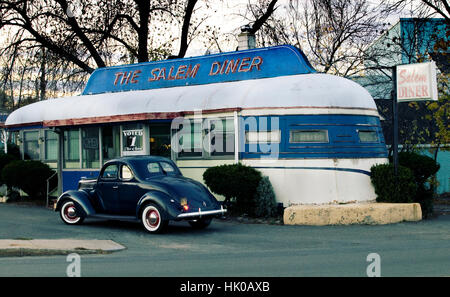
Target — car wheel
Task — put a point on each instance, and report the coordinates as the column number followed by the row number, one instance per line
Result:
column 200, row 223
column 152, row 219
column 69, row 213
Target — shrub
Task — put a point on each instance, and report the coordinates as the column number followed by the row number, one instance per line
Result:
column 266, row 205
column 234, row 181
column 14, row 150
column 422, row 167
column 388, row 189
column 5, row 159
column 29, row 176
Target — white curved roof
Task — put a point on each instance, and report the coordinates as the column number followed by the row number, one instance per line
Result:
column 295, row 91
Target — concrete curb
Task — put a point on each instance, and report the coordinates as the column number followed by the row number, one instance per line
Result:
column 356, row 213
column 45, row 247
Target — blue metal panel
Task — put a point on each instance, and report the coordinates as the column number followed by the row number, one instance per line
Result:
column 32, row 127
column 343, row 139
column 224, row 67
column 70, row 178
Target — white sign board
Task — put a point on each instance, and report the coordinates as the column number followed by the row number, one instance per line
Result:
column 416, row 82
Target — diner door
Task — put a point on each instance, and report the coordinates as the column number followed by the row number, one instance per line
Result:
column 160, row 139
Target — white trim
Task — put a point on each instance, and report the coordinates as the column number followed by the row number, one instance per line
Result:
column 308, row 111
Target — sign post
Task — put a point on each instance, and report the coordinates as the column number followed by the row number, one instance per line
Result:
column 395, row 121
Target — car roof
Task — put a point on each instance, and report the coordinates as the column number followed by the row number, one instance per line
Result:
column 126, row 159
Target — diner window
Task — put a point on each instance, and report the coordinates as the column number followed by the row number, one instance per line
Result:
column 90, row 147
column 368, row 136
column 72, row 148
column 110, row 142
column 31, row 145
column 221, row 133
column 263, row 136
column 51, row 145
column 308, row 136
column 190, row 139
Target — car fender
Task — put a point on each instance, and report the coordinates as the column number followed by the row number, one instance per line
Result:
column 161, row 199
column 81, row 198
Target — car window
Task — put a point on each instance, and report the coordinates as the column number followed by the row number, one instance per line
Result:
column 110, row 172
column 153, row 167
column 126, row 172
column 167, row 167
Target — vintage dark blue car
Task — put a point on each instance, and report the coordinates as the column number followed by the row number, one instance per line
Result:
column 148, row 189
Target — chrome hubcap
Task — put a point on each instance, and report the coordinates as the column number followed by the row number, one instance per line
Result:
column 71, row 212
column 153, row 218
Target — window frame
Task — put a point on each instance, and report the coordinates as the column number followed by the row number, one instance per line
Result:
column 121, row 173
column 371, row 131
column 308, row 130
column 103, row 178
column 24, row 141
column 258, row 141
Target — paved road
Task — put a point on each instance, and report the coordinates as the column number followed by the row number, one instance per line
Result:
column 232, row 249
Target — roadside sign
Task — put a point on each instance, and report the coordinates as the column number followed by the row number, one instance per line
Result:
column 416, row 82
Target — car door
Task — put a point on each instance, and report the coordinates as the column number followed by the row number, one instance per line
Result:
column 129, row 190
column 107, row 188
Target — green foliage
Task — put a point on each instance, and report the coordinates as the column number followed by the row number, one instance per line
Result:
column 29, row 176
column 266, row 205
column 5, row 159
column 423, row 168
column 234, row 181
column 391, row 189
column 414, row 169
column 14, row 150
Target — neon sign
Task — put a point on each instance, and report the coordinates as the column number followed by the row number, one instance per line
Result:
column 232, row 66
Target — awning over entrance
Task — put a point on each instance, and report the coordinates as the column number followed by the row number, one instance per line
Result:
column 284, row 92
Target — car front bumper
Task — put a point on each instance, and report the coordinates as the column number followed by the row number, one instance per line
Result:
column 200, row 213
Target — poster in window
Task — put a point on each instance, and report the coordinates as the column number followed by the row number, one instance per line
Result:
column 133, row 140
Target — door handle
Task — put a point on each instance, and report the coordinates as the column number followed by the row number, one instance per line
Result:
column 115, row 187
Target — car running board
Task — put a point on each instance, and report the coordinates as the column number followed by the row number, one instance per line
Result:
column 113, row 217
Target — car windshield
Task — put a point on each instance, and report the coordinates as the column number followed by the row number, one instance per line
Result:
column 148, row 169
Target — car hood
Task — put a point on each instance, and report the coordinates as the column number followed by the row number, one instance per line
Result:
column 179, row 187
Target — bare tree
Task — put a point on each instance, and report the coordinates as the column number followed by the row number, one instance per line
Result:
column 423, row 8
column 332, row 33
column 53, row 45
column 86, row 38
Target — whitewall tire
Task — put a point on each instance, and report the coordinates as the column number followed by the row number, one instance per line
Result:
column 69, row 213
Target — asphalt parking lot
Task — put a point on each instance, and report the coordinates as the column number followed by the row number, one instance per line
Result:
column 231, row 248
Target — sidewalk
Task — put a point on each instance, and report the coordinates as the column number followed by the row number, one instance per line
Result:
column 42, row 247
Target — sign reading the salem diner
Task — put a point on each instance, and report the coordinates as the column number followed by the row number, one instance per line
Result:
column 416, row 82
column 225, row 67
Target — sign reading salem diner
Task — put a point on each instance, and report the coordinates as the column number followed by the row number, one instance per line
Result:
column 416, row 82
column 233, row 66
column 186, row 71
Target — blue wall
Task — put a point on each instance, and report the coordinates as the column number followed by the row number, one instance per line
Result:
column 71, row 177
column 443, row 175
column 342, row 134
